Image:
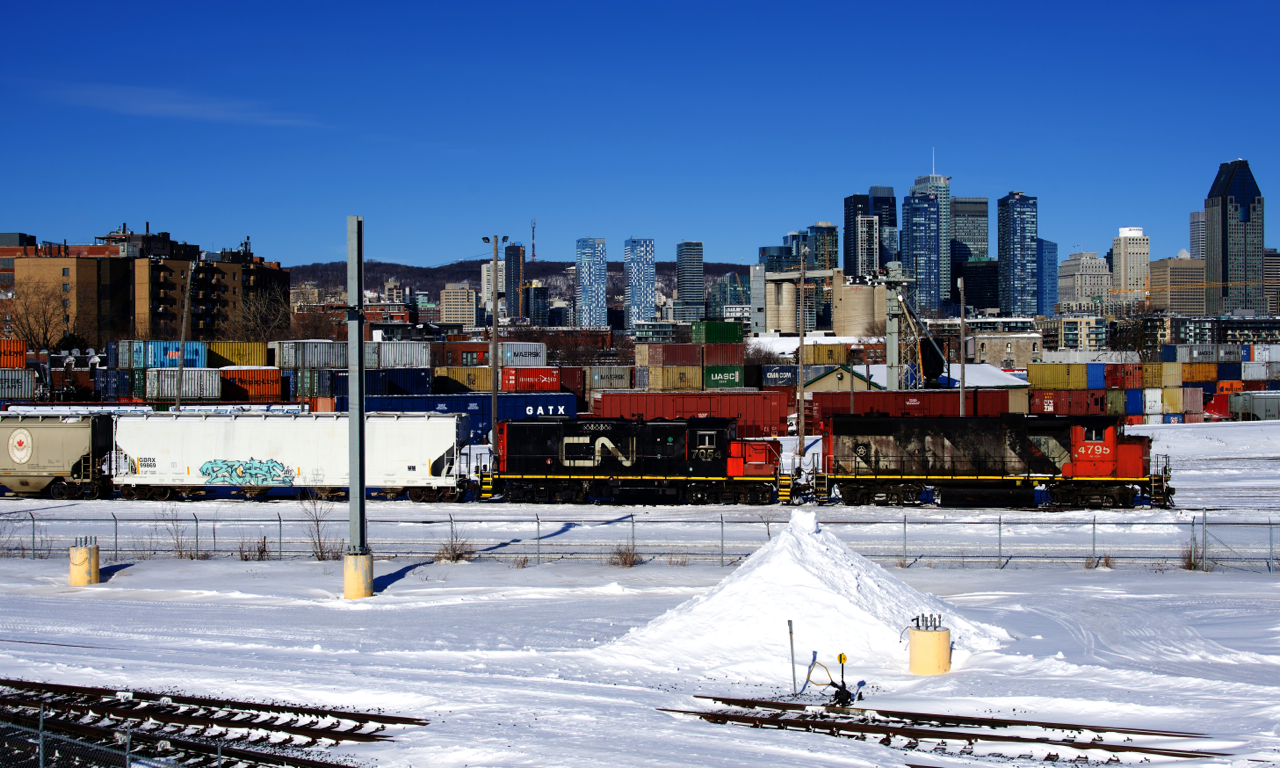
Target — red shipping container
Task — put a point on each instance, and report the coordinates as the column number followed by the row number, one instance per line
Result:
column 1134, row 421
column 530, row 379
column 250, row 385
column 674, row 354
column 1255, row 386
column 759, row 414
column 1048, row 401
column 573, row 380
column 723, row 354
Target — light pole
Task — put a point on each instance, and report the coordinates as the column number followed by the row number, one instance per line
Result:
column 493, row 346
column 804, row 254
column 960, row 285
column 358, row 562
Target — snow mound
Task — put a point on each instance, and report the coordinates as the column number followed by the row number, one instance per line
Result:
column 839, row 602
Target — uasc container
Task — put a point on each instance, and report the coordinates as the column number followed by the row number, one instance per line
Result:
column 719, row 376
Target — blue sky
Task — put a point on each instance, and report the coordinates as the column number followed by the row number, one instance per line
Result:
column 729, row 123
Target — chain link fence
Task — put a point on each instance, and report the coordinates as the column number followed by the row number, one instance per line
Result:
column 22, row 747
column 1200, row 543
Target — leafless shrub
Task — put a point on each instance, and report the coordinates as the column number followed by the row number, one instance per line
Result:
column 254, row 549
column 175, row 530
column 1099, row 562
column 316, row 510
column 678, row 558
column 455, row 549
column 1191, row 555
column 768, row 516
column 623, row 556
column 520, row 563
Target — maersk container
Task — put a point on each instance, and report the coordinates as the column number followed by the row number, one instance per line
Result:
column 1253, row 371
column 375, row 383
column 398, row 354
column 1133, row 402
column 476, row 406
column 17, row 384
column 1230, row 353
column 165, row 354
column 608, row 377
column 263, row 451
column 778, row 375
column 197, row 384
column 519, row 354
column 408, row 381
column 722, row 376
column 1152, row 401
column 252, row 354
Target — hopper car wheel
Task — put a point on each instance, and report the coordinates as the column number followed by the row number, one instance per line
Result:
column 449, row 495
column 417, row 495
column 91, row 490
column 161, row 493
column 58, row 489
column 127, row 493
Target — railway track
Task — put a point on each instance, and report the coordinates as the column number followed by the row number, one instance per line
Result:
column 957, row 735
column 197, row 731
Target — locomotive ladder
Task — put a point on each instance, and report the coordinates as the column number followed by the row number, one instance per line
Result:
column 486, row 486
column 784, row 489
column 821, row 487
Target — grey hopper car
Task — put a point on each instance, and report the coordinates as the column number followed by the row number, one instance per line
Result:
column 62, row 455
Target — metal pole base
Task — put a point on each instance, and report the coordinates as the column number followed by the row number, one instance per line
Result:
column 357, row 576
column 84, row 566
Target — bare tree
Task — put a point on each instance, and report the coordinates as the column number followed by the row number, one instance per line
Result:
column 37, row 314
column 315, row 511
column 263, row 315
column 317, row 325
column 759, row 354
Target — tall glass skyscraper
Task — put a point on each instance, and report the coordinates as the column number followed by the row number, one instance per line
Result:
column 590, row 277
column 856, row 208
column 1233, row 241
column 1019, row 229
column 637, row 262
column 514, row 278
column 1197, row 235
column 884, row 206
column 921, row 250
column 1046, row 276
column 969, row 236
column 691, row 292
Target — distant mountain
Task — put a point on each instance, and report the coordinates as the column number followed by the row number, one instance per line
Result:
column 433, row 279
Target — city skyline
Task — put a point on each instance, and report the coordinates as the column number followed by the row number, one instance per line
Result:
column 273, row 146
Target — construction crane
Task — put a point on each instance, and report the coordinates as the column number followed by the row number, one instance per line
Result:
column 533, row 241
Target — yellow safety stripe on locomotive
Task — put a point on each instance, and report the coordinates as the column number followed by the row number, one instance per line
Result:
column 987, row 477
column 628, row 477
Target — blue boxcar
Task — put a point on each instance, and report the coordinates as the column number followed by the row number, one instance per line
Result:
column 375, row 383
column 164, row 354
column 408, row 381
column 1133, row 402
column 1096, row 375
column 476, row 405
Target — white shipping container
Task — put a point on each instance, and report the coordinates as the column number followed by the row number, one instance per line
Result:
column 321, row 355
column 197, row 383
column 283, row 354
column 518, row 354
column 1156, row 419
column 1253, row 371
column 17, row 384
column 1273, row 371
column 1153, row 401
column 404, row 450
column 399, row 354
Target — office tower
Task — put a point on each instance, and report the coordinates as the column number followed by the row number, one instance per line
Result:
column 729, row 290
column 1016, row 242
column 778, row 258
column 982, row 284
column 1271, row 279
column 926, row 241
column 797, row 241
column 866, row 246
column 1177, row 285
column 758, row 314
column 538, row 301
column 856, row 208
column 884, row 206
column 637, row 260
column 486, row 286
column 1046, row 276
column 514, row 280
column 691, row 293
column 458, row 304
column 1197, row 235
column 969, row 236
column 589, row 280
column 1083, row 279
column 824, row 242
column 1234, row 221
column 1130, row 260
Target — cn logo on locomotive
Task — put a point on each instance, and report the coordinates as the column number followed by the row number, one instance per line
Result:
column 602, row 444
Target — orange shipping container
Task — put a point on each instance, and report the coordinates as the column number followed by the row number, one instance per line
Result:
column 13, row 353
column 250, row 384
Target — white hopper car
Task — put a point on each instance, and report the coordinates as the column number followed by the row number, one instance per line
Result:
column 163, row 455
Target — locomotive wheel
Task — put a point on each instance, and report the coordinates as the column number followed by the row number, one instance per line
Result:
column 128, row 493
column 417, row 495
column 161, row 493
column 541, row 495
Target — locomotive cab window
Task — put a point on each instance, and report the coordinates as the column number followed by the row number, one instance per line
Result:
column 706, row 439
column 1095, row 434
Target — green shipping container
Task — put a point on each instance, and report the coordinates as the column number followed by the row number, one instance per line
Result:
column 138, row 384
column 717, row 332
column 717, row 376
column 1115, row 402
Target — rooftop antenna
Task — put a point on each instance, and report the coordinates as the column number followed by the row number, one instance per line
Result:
column 533, row 241
column 934, row 171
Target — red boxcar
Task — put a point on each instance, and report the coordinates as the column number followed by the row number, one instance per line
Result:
column 531, row 379
column 759, row 414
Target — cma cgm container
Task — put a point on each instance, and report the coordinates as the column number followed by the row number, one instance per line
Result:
column 723, row 355
column 530, row 379
column 165, row 354
column 606, row 377
column 759, row 414
column 512, row 354
column 197, row 384
column 716, row 332
column 250, row 384
column 675, row 377
column 238, row 353
column 778, row 376
column 722, row 376
column 476, row 406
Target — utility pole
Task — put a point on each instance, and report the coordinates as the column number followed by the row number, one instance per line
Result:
column 494, row 371
column 182, row 337
column 804, row 255
column 963, row 346
column 358, row 563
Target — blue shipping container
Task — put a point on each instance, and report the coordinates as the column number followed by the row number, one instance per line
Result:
column 375, row 383
column 1273, row 386
column 1228, row 371
column 111, row 383
column 1173, row 418
column 1169, row 353
column 113, row 354
column 476, row 405
column 1133, row 402
column 164, row 354
column 1210, row 388
column 1096, row 375
column 289, row 386
column 778, row 376
column 408, row 381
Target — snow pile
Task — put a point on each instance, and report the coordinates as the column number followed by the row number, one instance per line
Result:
column 1239, row 439
column 839, row 601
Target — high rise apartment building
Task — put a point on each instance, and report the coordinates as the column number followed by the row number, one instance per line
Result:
column 1197, row 235
column 1177, row 285
column 1234, row 219
column 691, row 294
column 856, row 209
column 513, row 280
column 1130, row 266
column 1046, row 276
column 884, row 206
column 590, row 277
column 925, row 241
column 1018, row 231
column 486, row 285
column 458, row 304
column 1083, row 279
column 638, row 268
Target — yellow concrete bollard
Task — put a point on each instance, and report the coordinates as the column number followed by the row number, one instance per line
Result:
column 357, row 576
column 930, row 651
column 84, row 566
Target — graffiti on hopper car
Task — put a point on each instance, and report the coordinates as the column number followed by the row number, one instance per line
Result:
column 250, row 472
